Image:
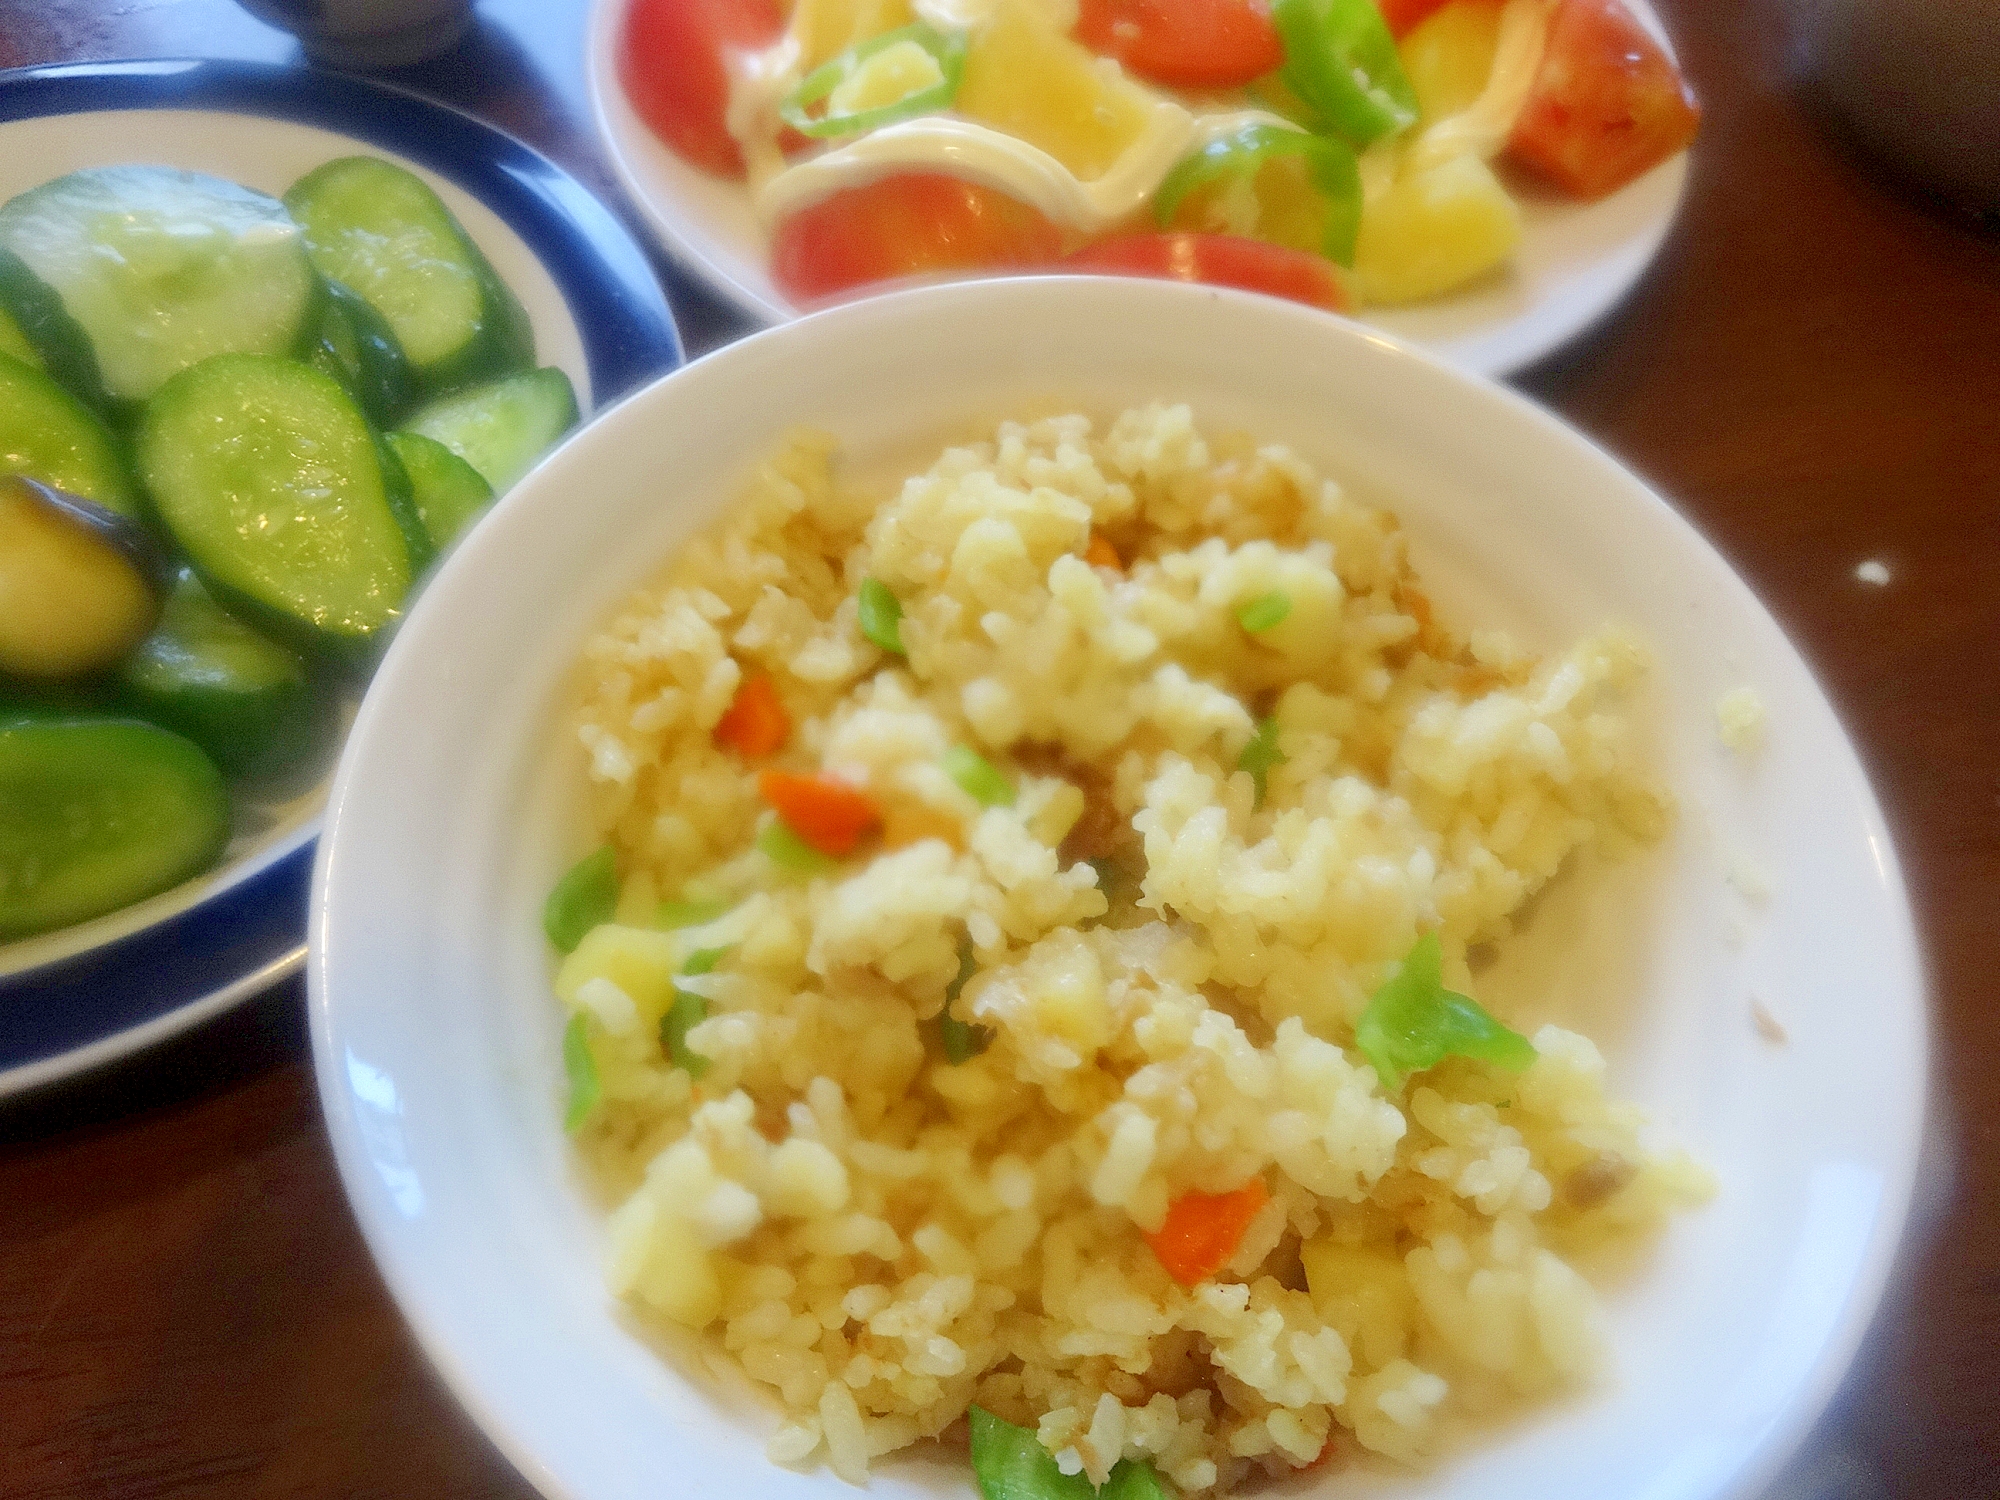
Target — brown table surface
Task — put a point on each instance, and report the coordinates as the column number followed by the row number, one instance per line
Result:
column 1811, row 369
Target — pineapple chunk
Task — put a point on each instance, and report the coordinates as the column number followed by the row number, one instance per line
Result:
column 1434, row 230
column 639, row 961
column 1364, row 1292
column 889, row 77
column 827, row 28
column 1450, row 56
column 1026, row 78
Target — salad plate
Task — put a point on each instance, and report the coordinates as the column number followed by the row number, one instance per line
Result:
column 437, row 1038
column 1576, row 261
column 87, row 994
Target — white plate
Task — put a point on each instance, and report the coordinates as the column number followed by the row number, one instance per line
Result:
column 436, row 1037
column 85, row 994
column 1576, row 260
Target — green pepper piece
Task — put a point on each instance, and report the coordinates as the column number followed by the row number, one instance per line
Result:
column 963, row 1040
column 881, row 614
column 1341, row 60
column 1010, row 1463
column 674, row 914
column 1331, row 167
column 946, row 49
column 585, row 1088
column 1129, row 1480
column 785, row 849
column 1264, row 612
column 688, row 1011
column 584, row 898
column 1414, row 1023
column 1260, row 755
column 978, row 777
column 704, row 960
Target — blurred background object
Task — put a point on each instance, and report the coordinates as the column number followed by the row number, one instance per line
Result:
column 369, row 33
column 1919, row 83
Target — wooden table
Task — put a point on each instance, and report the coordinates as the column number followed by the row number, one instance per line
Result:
column 1812, row 370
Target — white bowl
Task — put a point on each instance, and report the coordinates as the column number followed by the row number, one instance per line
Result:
column 436, row 1037
column 1576, row 262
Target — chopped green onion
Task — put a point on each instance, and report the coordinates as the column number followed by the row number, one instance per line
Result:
column 585, row 1088
column 1330, row 164
column 1260, row 755
column 1414, row 1023
column 1341, row 60
column 584, row 898
column 978, row 777
column 785, row 849
column 1264, row 611
column 673, row 914
column 962, row 1040
column 1010, row 1463
column 946, row 49
column 688, row 1011
column 881, row 615
column 704, row 960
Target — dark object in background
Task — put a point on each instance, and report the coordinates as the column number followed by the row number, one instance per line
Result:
column 368, row 33
column 1919, row 83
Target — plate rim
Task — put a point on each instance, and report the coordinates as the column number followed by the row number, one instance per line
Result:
column 1493, row 354
column 612, row 295
column 1759, row 1460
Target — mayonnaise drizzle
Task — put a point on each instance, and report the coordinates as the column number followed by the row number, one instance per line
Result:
column 1482, row 127
column 1008, row 164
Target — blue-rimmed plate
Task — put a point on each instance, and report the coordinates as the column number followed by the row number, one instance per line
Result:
column 74, row 999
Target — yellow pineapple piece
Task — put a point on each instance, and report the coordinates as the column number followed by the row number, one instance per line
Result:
column 1434, row 230
column 1027, row 78
column 1363, row 1291
column 638, row 961
column 890, row 76
column 1449, row 56
column 827, row 28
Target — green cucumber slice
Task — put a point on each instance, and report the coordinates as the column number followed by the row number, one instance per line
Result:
column 381, row 231
column 282, row 496
column 61, row 346
column 502, row 428
column 163, row 268
column 203, row 673
column 98, row 813
column 47, row 434
column 449, row 492
column 355, row 346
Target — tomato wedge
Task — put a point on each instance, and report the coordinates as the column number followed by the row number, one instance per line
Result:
column 1217, row 260
column 1607, row 103
column 906, row 225
column 672, row 63
column 1404, row 15
column 1185, row 44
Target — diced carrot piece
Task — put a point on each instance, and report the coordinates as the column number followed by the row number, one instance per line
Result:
column 1202, row 1230
column 1101, row 554
column 756, row 724
column 829, row 814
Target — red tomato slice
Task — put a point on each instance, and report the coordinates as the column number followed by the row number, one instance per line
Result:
column 1217, row 260
column 906, row 225
column 1607, row 103
column 1403, row 15
column 672, row 66
column 1186, row 44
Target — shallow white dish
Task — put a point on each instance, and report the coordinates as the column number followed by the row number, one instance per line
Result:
column 459, row 800
column 1576, row 260
column 86, row 994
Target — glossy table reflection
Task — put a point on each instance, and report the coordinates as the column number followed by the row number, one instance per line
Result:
column 1812, row 371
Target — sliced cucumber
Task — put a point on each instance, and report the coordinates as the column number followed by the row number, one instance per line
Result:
column 164, row 268
column 381, row 231
column 282, row 496
column 448, row 490
column 98, row 813
column 502, row 428
column 60, row 345
column 47, row 434
column 356, row 347
column 241, row 696
column 76, row 583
